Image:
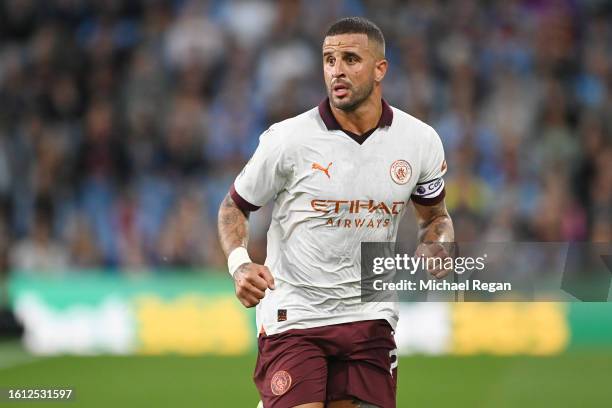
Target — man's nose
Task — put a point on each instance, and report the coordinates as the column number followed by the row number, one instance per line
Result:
column 338, row 70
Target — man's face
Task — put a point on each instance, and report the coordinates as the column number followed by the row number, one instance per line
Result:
column 351, row 66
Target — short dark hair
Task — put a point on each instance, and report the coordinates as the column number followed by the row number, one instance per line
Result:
column 357, row 25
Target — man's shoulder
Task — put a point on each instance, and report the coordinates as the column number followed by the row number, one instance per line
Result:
column 288, row 134
column 405, row 121
column 302, row 123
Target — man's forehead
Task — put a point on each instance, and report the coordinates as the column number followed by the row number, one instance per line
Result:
column 345, row 42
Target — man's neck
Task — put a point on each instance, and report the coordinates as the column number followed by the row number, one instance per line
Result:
column 364, row 118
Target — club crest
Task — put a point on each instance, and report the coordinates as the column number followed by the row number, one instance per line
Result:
column 281, row 381
column 400, row 171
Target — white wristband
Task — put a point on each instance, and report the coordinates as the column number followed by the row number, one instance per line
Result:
column 236, row 258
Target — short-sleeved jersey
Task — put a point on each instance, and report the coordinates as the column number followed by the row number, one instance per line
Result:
column 333, row 190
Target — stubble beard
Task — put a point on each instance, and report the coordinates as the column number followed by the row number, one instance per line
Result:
column 352, row 103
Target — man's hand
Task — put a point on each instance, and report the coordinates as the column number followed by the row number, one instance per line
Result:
column 436, row 253
column 251, row 281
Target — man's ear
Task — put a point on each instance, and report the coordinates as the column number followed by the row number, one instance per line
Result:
column 380, row 70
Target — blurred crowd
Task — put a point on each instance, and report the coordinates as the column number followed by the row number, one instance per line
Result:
column 123, row 123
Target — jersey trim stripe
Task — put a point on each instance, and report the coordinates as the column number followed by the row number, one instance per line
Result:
column 428, row 201
column 243, row 204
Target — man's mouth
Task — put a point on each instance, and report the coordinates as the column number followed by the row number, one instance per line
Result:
column 340, row 90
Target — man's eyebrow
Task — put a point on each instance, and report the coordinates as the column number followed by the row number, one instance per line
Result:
column 343, row 53
column 351, row 54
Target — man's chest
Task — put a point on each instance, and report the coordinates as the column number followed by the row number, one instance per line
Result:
column 342, row 176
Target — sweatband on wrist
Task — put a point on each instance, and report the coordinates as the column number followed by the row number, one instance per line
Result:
column 236, row 258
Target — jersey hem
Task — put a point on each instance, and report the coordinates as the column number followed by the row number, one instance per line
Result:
column 301, row 324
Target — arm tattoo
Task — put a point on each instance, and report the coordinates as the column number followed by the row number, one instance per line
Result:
column 435, row 225
column 233, row 226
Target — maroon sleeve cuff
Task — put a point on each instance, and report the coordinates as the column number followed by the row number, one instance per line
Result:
column 243, row 204
column 429, row 201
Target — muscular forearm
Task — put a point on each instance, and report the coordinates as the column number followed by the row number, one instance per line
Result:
column 233, row 226
column 435, row 229
column 438, row 229
column 250, row 280
column 435, row 224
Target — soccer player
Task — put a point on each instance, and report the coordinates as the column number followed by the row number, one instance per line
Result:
column 339, row 174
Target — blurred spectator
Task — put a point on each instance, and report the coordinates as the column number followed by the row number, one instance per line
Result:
column 194, row 38
column 82, row 246
column 186, row 238
column 39, row 250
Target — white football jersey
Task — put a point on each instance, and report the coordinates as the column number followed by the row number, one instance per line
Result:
column 333, row 190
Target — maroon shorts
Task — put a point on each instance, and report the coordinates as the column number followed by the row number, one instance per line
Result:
column 356, row 360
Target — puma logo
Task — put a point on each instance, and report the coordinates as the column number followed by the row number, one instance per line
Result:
column 317, row 166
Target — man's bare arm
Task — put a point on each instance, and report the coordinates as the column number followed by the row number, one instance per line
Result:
column 435, row 229
column 233, row 226
column 435, row 224
column 250, row 279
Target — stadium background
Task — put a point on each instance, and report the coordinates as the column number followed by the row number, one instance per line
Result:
column 122, row 125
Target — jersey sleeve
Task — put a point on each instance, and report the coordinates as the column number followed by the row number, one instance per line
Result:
column 429, row 189
column 264, row 175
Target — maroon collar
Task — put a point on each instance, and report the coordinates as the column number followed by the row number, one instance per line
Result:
column 386, row 118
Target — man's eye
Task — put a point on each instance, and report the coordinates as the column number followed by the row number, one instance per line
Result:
column 330, row 60
column 351, row 59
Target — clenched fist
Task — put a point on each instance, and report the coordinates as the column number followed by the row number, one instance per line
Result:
column 251, row 281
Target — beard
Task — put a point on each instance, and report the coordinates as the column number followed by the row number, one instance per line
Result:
column 352, row 101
